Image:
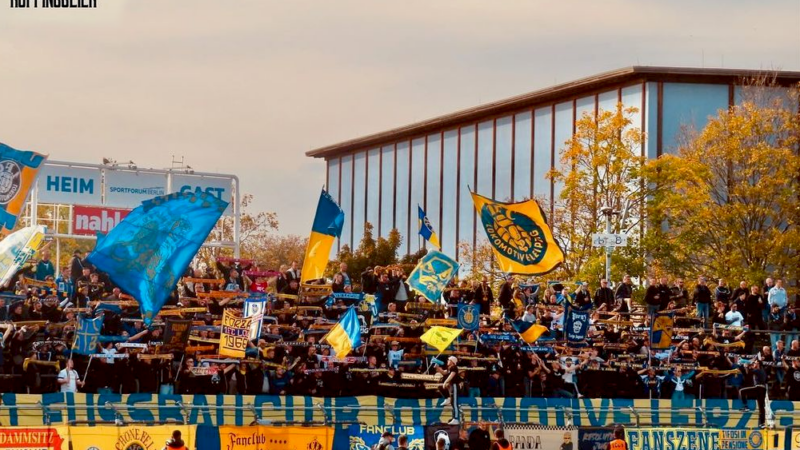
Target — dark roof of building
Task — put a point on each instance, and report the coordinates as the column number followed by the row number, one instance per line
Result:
column 628, row 75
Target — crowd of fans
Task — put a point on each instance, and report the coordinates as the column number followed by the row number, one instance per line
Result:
column 727, row 343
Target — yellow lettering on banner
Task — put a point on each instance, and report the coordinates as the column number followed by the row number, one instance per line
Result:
column 235, row 335
column 126, row 438
column 279, row 438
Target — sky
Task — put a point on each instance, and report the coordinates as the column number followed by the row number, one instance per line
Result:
column 246, row 87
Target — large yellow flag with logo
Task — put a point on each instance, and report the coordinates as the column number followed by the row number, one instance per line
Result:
column 440, row 337
column 519, row 235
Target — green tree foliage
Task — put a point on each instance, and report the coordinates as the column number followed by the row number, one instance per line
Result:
column 370, row 252
column 600, row 167
column 726, row 204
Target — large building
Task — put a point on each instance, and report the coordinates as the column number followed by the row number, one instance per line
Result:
column 505, row 149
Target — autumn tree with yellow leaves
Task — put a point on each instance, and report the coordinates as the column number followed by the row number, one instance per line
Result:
column 600, row 167
column 726, row 204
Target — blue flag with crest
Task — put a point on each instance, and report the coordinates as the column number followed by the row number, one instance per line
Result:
column 469, row 317
column 87, row 336
column 432, row 274
column 147, row 253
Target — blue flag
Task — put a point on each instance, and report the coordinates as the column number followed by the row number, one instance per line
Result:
column 577, row 323
column 87, row 336
column 151, row 248
column 426, row 229
column 432, row 274
column 18, row 172
column 469, row 317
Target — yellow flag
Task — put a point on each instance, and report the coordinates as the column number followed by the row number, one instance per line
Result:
column 519, row 235
column 235, row 334
column 440, row 337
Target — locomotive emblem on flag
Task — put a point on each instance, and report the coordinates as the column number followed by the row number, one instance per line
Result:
column 515, row 235
column 10, row 173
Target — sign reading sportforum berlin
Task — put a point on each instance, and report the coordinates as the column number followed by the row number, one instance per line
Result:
column 519, row 235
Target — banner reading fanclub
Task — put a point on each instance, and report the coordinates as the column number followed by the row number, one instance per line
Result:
column 235, row 335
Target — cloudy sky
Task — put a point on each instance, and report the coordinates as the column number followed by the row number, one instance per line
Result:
column 246, row 86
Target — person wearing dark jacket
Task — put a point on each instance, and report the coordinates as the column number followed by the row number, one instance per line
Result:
column 679, row 294
column 479, row 439
column 604, row 295
column 652, row 297
column 484, row 296
column 664, row 293
column 753, row 306
column 702, row 298
column 368, row 282
column 387, row 288
column 624, row 290
column 176, row 443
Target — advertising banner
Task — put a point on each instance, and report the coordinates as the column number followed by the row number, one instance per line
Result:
column 267, row 438
column 218, row 187
column 88, row 220
column 44, row 438
column 128, row 437
column 525, row 436
column 594, row 438
column 128, row 189
column 69, row 185
column 366, row 436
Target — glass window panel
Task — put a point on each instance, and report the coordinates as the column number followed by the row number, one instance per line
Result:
column 360, row 191
column 542, row 153
column 485, row 162
column 447, row 234
column 689, row 105
column 417, row 190
column 346, row 201
column 402, row 195
column 632, row 98
column 434, row 181
column 333, row 184
column 607, row 101
column 387, row 190
column 651, row 120
column 374, row 188
column 502, row 187
column 583, row 106
column 467, row 169
column 522, row 156
column 563, row 133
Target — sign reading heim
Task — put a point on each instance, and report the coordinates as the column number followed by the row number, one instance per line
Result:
column 88, row 220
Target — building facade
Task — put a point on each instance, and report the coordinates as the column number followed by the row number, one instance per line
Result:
column 504, row 149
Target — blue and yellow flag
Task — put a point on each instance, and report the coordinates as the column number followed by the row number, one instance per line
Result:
column 18, row 172
column 345, row 335
column 17, row 248
column 469, row 316
column 426, row 229
column 661, row 330
column 87, row 336
column 328, row 223
column 147, row 253
column 519, row 235
column 440, row 337
column 529, row 332
column 432, row 274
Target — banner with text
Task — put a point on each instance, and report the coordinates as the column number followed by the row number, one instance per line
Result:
column 267, row 438
column 218, row 187
column 366, row 436
column 44, row 438
column 524, row 436
column 128, row 189
column 69, row 185
column 128, row 437
column 235, row 335
column 88, row 220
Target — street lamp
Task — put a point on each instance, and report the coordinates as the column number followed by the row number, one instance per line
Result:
column 608, row 212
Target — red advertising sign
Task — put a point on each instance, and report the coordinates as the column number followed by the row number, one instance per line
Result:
column 87, row 220
column 32, row 438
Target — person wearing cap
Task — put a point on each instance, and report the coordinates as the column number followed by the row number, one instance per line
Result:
column 395, row 355
column 386, row 441
column 450, row 387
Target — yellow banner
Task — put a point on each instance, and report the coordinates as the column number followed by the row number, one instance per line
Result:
column 519, row 235
column 129, row 437
column 235, row 335
column 40, row 438
column 275, row 438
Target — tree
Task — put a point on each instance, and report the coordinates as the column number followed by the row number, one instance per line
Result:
column 371, row 252
column 727, row 203
column 600, row 167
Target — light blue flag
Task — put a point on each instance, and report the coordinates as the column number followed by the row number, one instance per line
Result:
column 147, row 253
column 469, row 317
column 87, row 336
column 432, row 274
